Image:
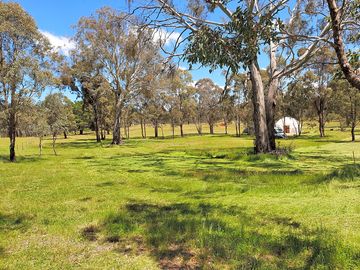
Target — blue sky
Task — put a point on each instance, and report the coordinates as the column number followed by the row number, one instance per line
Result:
column 57, row 18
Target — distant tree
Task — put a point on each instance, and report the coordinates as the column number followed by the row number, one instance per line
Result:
column 39, row 126
column 25, row 64
column 346, row 103
column 297, row 100
column 209, row 96
column 59, row 113
column 242, row 105
column 290, row 31
column 317, row 80
column 123, row 50
column 82, row 116
column 180, row 97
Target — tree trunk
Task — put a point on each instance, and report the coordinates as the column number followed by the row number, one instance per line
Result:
column 226, row 126
column 173, row 129
column 65, row 135
column 12, row 123
column 262, row 143
column 199, row 127
column 12, row 134
column 96, row 122
column 53, row 143
column 117, row 125
column 181, row 130
column 321, row 124
column 125, row 130
column 81, row 131
column 270, row 112
column 142, row 128
column 40, row 145
column 271, row 97
column 349, row 72
column 103, row 134
column 162, row 131
column 156, row 129
column 211, row 127
column 237, row 126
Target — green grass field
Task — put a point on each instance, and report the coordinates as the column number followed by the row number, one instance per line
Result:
column 198, row 202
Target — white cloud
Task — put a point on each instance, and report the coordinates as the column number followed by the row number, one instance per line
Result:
column 60, row 43
column 166, row 37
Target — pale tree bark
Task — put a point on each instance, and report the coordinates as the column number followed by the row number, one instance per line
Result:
column 262, row 144
column 271, row 96
column 96, row 122
column 349, row 72
column 53, row 143
column 116, row 131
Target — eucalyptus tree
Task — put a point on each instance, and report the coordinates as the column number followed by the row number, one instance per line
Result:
column 209, row 99
column 37, row 124
column 289, row 30
column 298, row 100
column 242, row 105
column 346, row 104
column 25, row 64
column 123, row 49
column 339, row 15
column 60, row 117
column 180, row 94
column 83, row 116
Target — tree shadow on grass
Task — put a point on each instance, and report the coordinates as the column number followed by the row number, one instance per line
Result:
column 20, row 159
column 345, row 173
column 195, row 236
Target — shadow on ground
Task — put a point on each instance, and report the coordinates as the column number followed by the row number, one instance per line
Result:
column 198, row 236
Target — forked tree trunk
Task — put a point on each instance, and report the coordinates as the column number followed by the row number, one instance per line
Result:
column 262, row 143
column 321, row 125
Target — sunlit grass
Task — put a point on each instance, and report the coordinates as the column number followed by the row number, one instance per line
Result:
column 195, row 202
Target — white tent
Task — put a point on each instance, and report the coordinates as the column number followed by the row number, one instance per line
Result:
column 290, row 126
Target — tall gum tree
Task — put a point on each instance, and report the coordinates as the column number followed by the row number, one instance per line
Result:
column 123, row 49
column 25, row 64
column 289, row 30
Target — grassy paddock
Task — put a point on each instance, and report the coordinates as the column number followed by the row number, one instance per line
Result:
column 198, row 202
